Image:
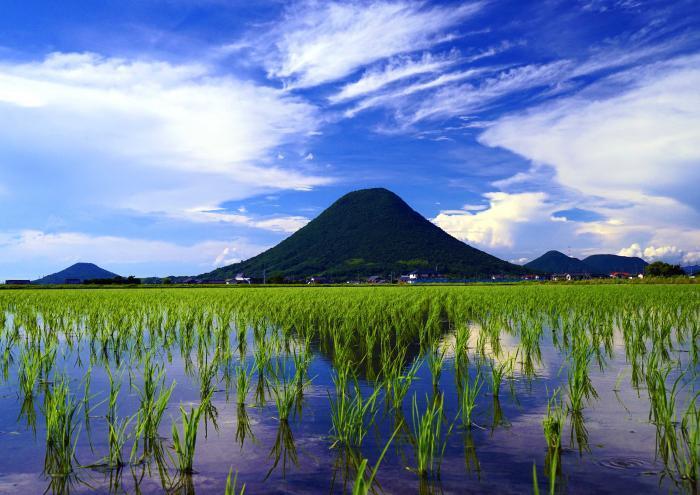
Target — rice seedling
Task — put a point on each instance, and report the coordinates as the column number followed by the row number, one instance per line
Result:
column 429, row 442
column 551, row 474
column 284, row 392
column 688, row 454
column 579, row 385
column 467, row 395
column 662, row 411
column 232, row 486
column 243, row 382
column 116, row 439
column 352, row 415
column 185, row 445
column 461, row 345
column 362, row 485
column 62, row 429
column 397, row 382
column 368, row 335
column 115, row 386
column 500, row 370
column 436, row 359
column 153, row 401
column 207, row 377
column 553, row 423
column 535, row 484
column 29, row 372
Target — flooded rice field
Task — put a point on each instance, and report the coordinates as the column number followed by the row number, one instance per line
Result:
column 561, row 389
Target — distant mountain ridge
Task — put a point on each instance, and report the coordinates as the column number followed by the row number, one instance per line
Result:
column 557, row 262
column 596, row 264
column 691, row 269
column 609, row 263
column 368, row 232
column 77, row 272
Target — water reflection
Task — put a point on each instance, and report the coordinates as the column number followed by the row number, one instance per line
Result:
column 243, row 428
column 579, row 433
column 498, row 416
column 283, row 449
column 471, row 460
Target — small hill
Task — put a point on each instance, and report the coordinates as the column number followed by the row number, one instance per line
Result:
column 557, row 262
column 79, row 271
column 608, row 263
column 368, row 232
column 691, row 269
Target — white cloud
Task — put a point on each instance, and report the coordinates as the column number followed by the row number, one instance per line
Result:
column 214, row 135
column 397, row 98
column 319, row 42
column 61, row 249
column 394, row 70
column 474, row 207
column 465, row 98
column 497, row 225
column 287, row 224
column 643, row 141
column 668, row 253
column 634, row 155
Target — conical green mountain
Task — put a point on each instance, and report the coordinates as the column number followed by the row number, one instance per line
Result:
column 368, row 232
column 78, row 271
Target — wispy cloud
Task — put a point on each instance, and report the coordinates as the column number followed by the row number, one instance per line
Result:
column 397, row 99
column 460, row 99
column 319, row 42
column 642, row 141
column 284, row 223
column 395, row 70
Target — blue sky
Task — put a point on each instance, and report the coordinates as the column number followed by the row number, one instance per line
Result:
column 172, row 136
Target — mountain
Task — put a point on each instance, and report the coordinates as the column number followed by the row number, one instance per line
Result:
column 368, row 232
column 692, row 269
column 608, row 263
column 597, row 264
column 79, row 271
column 557, row 262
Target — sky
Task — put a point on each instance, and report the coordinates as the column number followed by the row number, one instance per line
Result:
column 158, row 137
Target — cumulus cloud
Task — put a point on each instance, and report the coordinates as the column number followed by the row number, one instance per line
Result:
column 213, row 135
column 319, row 42
column 495, row 226
column 667, row 253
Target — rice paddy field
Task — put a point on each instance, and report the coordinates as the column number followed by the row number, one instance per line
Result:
column 503, row 389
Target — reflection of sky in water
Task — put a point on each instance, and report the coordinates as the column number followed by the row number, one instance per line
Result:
column 621, row 441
